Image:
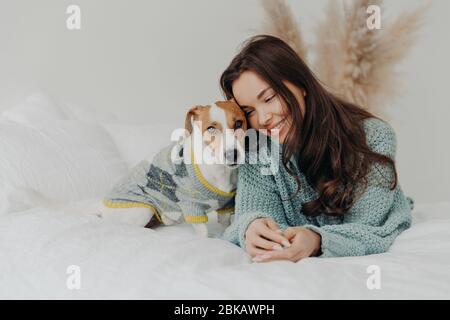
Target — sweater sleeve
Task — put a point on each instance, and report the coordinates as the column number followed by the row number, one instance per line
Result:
column 194, row 212
column 256, row 198
column 378, row 216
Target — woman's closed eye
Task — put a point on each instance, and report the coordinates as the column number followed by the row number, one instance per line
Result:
column 248, row 111
column 270, row 98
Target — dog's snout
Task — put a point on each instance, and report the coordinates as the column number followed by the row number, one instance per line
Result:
column 231, row 156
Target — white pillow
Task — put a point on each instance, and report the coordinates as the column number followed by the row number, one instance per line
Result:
column 87, row 114
column 64, row 160
column 38, row 107
column 137, row 142
column 15, row 199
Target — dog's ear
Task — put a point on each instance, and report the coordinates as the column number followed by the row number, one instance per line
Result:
column 194, row 111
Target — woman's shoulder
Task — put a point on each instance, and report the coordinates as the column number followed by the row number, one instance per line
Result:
column 261, row 166
column 374, row 125
column 256, row 177
column 380, row 136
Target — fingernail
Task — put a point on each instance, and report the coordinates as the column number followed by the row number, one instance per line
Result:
column 277, row 247
column 286, row 244
column 265, row 256
column 280, row 231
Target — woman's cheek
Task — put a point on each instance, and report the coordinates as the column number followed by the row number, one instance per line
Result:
column 253, row 122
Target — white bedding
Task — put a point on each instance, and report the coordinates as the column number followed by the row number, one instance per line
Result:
column 126, row 262
column 54, row 167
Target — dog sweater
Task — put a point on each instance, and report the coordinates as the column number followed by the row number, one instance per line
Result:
column 376, row 218
column 167, row 186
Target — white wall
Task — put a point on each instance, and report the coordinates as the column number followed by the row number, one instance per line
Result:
column 154, row 58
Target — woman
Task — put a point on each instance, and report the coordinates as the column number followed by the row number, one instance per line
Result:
column 336, row 191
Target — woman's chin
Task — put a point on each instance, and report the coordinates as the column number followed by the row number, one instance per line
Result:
column 281, row 135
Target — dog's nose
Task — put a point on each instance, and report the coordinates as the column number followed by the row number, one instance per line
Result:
column 231, row 156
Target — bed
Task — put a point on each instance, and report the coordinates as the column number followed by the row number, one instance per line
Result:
column 56, row 165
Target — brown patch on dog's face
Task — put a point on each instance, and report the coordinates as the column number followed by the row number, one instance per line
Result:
column 214, row 124
column 234, row 115
column 195, row 114
column 221, row 125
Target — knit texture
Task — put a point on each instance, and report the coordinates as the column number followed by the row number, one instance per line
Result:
column 369, row 227
column 166, row 187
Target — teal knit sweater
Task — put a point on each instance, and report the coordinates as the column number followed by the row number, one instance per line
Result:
column 369, row 227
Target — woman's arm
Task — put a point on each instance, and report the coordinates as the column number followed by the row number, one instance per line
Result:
column 256, row 198
column 378, row 216
column 373, row 222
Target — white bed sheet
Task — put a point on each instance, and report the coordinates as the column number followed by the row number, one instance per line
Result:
column 125, row 262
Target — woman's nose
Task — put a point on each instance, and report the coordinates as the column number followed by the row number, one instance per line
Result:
column 265, row 117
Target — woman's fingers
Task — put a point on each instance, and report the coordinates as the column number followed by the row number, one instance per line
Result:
column 289, row 233
column 266, row 244
column 261, row 237
column 286, row 254
column 273, row 226
column 272, row 235
column 294, row 254
column 254, row 251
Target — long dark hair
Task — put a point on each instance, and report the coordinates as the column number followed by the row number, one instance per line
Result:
column 329, row 140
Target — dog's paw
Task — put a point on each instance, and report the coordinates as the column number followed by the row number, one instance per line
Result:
column 167, row 221
column 201, row 229
column 171, row 217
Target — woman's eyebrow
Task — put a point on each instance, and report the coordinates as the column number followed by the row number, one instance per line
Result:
column 259, row 95
column 262, row 93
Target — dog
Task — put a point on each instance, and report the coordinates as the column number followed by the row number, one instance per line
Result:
column 175, row 184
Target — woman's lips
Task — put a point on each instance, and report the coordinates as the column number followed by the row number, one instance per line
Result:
column 278, row 127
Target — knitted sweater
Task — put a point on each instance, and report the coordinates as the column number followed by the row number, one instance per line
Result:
column 166, row 187
column 369, row 227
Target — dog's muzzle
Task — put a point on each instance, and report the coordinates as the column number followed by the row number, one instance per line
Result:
column 232, row 157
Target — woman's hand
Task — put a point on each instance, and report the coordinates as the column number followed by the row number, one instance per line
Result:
column 304, row 243
column 264, row 236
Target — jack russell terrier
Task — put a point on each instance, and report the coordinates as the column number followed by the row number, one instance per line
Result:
column 176, row 184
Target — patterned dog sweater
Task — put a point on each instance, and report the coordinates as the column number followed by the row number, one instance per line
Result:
column 167, row 186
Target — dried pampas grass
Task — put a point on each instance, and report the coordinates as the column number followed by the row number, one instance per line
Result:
column 328, row 46
column 353, row 61
column 281, row 23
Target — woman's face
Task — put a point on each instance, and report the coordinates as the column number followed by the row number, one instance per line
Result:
column 263, row 108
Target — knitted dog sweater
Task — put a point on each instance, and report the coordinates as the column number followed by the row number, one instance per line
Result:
column 166, row 186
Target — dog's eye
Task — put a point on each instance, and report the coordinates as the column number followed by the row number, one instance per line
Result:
column 211, row 129
column 238, row 124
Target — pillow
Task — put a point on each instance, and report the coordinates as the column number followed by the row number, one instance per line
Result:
column 38, row 107
column 137, row 142
column 16, row 199
column 88, row 114
column 63, row 160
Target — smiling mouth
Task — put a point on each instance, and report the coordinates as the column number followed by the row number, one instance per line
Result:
column 278, row 127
